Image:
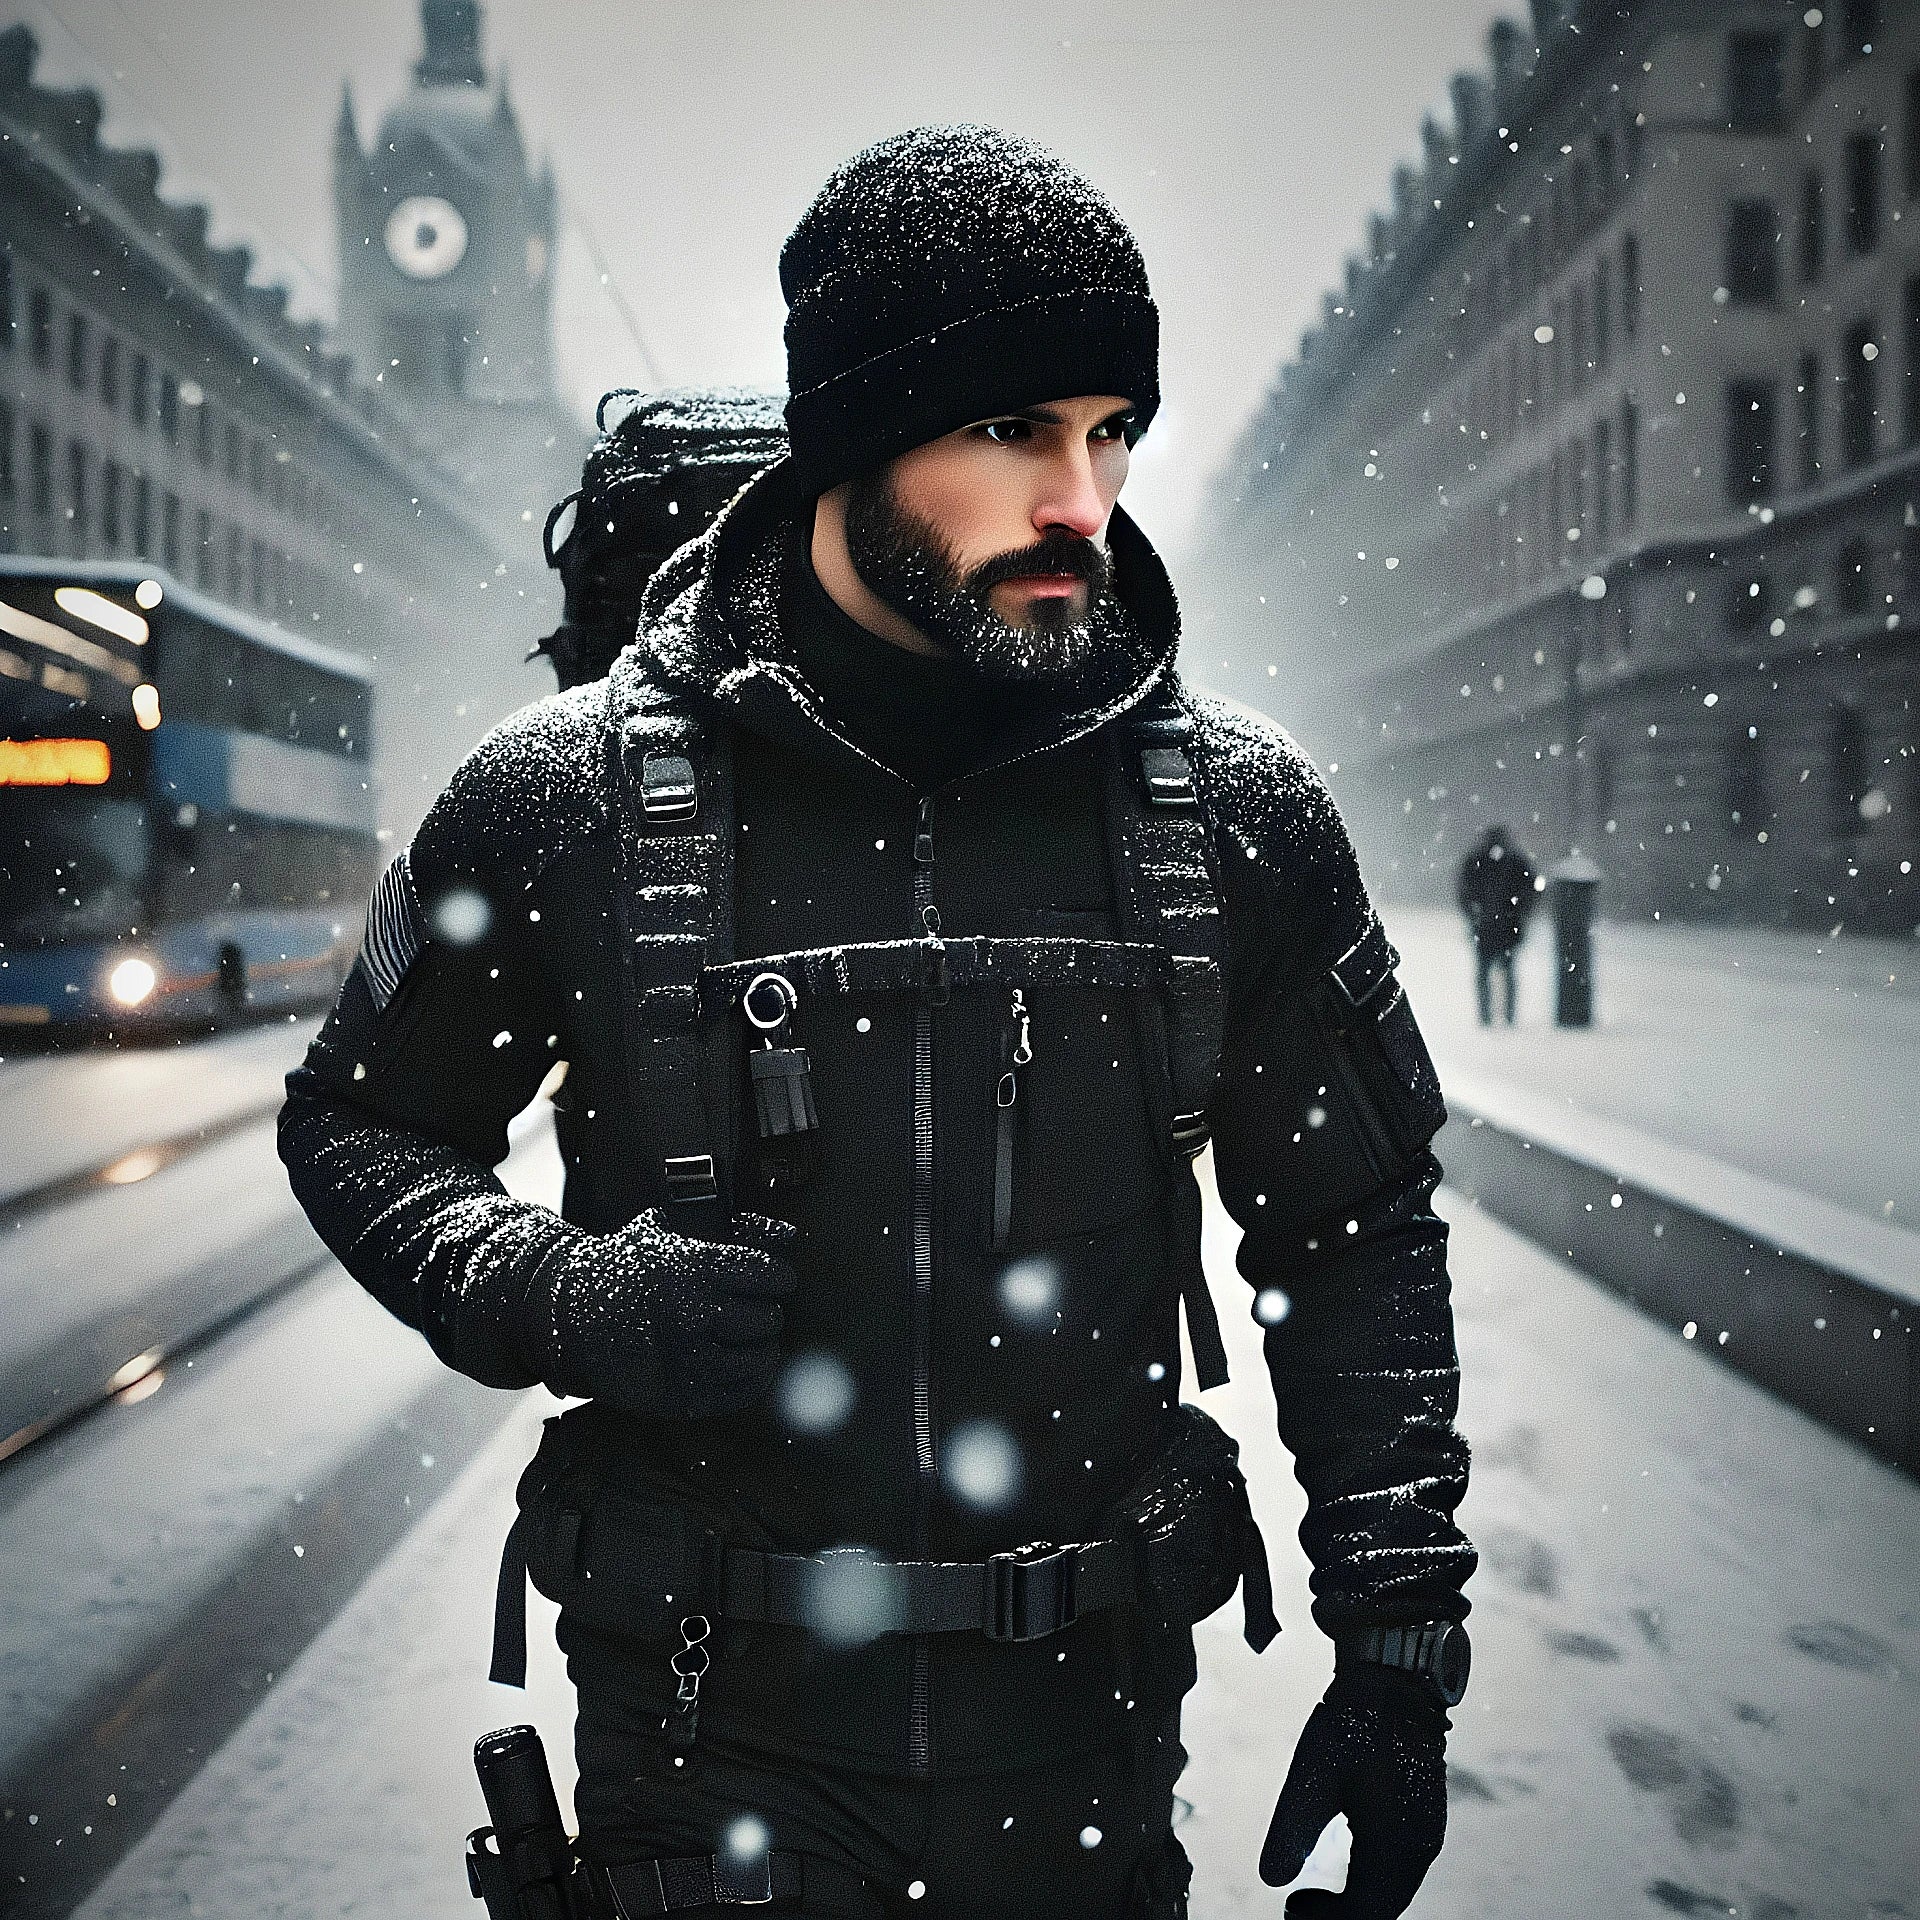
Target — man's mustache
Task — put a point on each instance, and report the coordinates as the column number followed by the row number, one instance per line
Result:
column 1065, row 555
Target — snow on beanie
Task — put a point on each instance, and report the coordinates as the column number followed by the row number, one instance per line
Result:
column 946, row 274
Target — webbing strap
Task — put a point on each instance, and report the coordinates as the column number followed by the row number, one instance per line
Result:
column 1164, row 885
column 676, row 917
column 892, row 966
column 1014, row 1596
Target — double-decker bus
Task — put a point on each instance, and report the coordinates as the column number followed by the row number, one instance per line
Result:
column 186, row 803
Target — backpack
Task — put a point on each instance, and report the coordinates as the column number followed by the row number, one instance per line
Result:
column 653, row 480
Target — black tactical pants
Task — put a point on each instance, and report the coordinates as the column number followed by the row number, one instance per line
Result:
column 1088, row 1838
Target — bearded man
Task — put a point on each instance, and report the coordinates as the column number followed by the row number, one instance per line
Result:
column 906, row 925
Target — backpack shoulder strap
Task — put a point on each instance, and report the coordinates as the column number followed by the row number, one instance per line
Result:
column 675, row 781
column 1167, row 895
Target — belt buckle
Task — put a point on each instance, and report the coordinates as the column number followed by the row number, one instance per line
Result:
column 1030, row 1591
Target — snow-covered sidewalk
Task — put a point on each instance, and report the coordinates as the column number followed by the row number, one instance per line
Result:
column 1793, row 1057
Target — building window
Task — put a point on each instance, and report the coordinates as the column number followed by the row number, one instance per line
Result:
column 1859, row 27
column 1863, row 192
column 1602, row 482
column 40, row 468
column 1912, row 128
column 1910, row 393
column 1630, row 286
column 1753, row 252
column 1747, row 602
column 1853, row 581
column 257, row 468
column 1629, row 461
column 109, row 371
column 258, row 575
column 6, row 454
column 140, row 390
column 77, row 344
column 1859, row 395
column 1751, row 421
column 142, row 528
column 236, row 562
column 110, row 504
column 203, row 548
column 6, row 301
column 1846, row 767
column 1809, row 395
column 1755, row 80
column 1746, row 780
column 1603, row 312
column 170, row 409
column 1813, row 225
column 233, row 451
column 203, row 433
column 77, row 488
column 1813, row 53
column 40, row 327
column 170, row 532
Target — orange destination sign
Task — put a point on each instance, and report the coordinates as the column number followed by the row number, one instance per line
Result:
column 54, row 763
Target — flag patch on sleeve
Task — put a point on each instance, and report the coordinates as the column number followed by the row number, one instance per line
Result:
column 395, row 936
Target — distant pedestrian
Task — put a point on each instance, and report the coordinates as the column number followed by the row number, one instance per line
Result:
column 1496, row 893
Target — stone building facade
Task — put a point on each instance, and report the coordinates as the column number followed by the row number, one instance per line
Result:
column 1592, row 504
column 156, row 402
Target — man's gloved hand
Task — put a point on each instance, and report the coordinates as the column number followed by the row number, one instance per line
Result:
column 1373, row 1749
column 662, row 1323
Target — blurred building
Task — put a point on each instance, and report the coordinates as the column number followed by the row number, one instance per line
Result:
column 446, row 239
column 1592, row 504
column 157, row 402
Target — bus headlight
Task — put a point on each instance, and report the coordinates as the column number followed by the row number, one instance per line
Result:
column 132, row 981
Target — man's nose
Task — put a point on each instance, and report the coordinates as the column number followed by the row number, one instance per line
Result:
column 1073, row 499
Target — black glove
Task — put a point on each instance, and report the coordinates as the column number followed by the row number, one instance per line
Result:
column 659, row 1322
column 1373, row 1749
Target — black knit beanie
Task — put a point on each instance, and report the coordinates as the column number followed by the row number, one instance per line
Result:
column 947, row 274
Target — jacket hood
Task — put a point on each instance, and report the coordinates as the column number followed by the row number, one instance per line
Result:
column 711, row 633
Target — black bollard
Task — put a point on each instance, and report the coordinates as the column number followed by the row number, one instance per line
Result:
column 1573, row 885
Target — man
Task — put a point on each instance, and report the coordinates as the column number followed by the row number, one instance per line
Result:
column 1496, row 892
column 876, row 867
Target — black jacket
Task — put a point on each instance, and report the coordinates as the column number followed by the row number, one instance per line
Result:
column 1363, row 1363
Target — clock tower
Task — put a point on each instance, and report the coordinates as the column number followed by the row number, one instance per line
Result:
column 446, row 271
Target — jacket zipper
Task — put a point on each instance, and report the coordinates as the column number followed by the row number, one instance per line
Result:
column 1016, row 1050
column 919, row 1733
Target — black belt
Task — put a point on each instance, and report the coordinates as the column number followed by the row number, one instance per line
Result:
column 641, row 1888
column 1023, row 1595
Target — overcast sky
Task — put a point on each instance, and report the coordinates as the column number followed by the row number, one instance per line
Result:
column 1244, row 140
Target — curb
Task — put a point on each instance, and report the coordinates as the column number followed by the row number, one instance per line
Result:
column 1816, row 1305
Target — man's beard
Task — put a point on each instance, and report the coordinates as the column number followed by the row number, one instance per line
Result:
column 908, row 564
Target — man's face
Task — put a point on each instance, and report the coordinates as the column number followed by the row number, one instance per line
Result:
column 991, row 539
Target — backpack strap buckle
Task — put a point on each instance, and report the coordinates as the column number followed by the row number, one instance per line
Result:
column 1030, row 1591
column 668, row 790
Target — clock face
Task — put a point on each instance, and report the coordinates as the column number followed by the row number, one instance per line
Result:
column 426, row 237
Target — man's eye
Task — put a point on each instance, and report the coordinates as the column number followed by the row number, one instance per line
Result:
column 1006, row 432
column 1121, row 429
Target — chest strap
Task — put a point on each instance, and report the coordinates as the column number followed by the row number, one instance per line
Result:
column 676, row 918
column 937, row 965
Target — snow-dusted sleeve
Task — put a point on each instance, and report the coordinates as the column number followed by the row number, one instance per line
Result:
column 443, row 1032
column 1321, row 1156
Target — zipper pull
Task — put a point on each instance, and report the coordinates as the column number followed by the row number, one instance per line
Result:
column 782, row 1079
column 923, row 833
column 936, row 987
column 1005, row 1094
